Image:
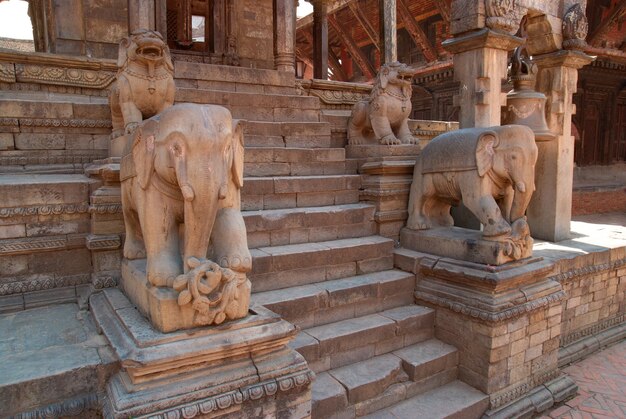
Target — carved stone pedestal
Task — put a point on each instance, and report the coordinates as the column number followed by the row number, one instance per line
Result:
column 241, row 368
column 506, row 322
column 463, row 244
column 160, row 304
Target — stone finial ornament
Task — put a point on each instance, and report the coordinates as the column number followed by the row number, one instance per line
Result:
column 185, row 165
column 490, row 170
column 145, row 81
column 383, row 117
column 575, row 27
column 501, row 15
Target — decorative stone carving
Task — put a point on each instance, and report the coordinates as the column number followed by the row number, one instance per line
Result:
column 186, row 165
column 78, row 77
column 384, row 116
column 491, row 170
column 575, row 27
column 7, row 72
column 145, row 81
column 501, row 15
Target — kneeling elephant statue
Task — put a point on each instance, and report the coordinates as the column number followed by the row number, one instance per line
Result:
column 491, row 170
column 185, row 165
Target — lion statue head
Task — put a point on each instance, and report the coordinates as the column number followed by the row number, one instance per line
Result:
column 395, row 74
column 145, row 46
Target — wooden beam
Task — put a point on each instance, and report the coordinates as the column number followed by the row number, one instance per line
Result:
column 301, row 55
column 365, row 23
column 332, row 8
column 320, row 39
column 606, row 26
column 335, row 65
column 444, row 10
column 352, row 47
column 388, row 27
column 418, row 35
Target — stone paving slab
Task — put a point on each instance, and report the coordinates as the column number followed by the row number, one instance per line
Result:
column 601, row 380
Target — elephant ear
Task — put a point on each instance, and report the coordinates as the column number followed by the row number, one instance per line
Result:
column 144, row 151
column 238, row 150
column 485, row 151
column 122, row 52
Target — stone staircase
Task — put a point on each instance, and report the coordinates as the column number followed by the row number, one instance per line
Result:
column 318, row 262
column 317, row 259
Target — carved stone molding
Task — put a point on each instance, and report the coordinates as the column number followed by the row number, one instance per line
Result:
column 575, row 28
column 588, row 270
column 43, row 283
column 225, row 401
column 66, row 123
column 77, row 77
column 102, row 280
column 106, row 209
column 60, row 159
column 44, row 210
column 9, row 122
column 72, row 407
column 500, row 399
column 101, row 242
column 591, row 330
column 334, row 95
column 41, row 244
column 501, row 15
column 7, row 72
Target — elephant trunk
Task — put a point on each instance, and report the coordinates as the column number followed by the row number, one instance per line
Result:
column 521, row 199
column 200, row 212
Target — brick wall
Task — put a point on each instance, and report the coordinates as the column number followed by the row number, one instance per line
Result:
column 586, row 202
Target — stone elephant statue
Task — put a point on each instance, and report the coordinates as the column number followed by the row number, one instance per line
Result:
column 185, row 165
column 491, row 170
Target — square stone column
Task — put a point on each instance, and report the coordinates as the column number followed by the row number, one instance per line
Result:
column 480, row 63
column 550, row 210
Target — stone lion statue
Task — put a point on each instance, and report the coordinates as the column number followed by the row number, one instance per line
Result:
column 145, row 81
column 384, row 116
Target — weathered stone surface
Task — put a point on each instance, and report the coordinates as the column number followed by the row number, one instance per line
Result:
column 427, row 358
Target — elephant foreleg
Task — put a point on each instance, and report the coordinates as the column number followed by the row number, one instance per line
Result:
column 484, row 207
column 229, row 241
column 417, row 219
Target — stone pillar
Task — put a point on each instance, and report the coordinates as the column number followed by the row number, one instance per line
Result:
column 284, row 35
column 142, row 15
column 550, row 210
column 388, row 34
column 480, row 63
column 320, row 39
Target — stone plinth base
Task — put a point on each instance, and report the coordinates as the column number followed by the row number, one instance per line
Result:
column 242, row 367
column 159, row 304
column 380, row 150
column 460, row 243
column 505, row 320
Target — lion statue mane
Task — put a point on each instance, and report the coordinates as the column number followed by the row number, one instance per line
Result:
column 383, row 117
column 145, row 81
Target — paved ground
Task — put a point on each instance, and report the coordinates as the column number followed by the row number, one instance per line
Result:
column 601, row 380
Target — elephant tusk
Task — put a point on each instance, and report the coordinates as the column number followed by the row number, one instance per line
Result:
column 187, row 192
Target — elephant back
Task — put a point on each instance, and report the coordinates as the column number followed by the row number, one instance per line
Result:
column 450, row 152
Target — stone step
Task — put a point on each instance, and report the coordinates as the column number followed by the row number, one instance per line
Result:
column 325, row 302
column 357, row 339
column 379, row 382
column 452, row 400
column 44, row 220
column 52, row 357
column 299, row 191
column 224, row 77
column 300, row 264
column 289, row 134
column 303, row 225
column 257, row 106
column 280, row 161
